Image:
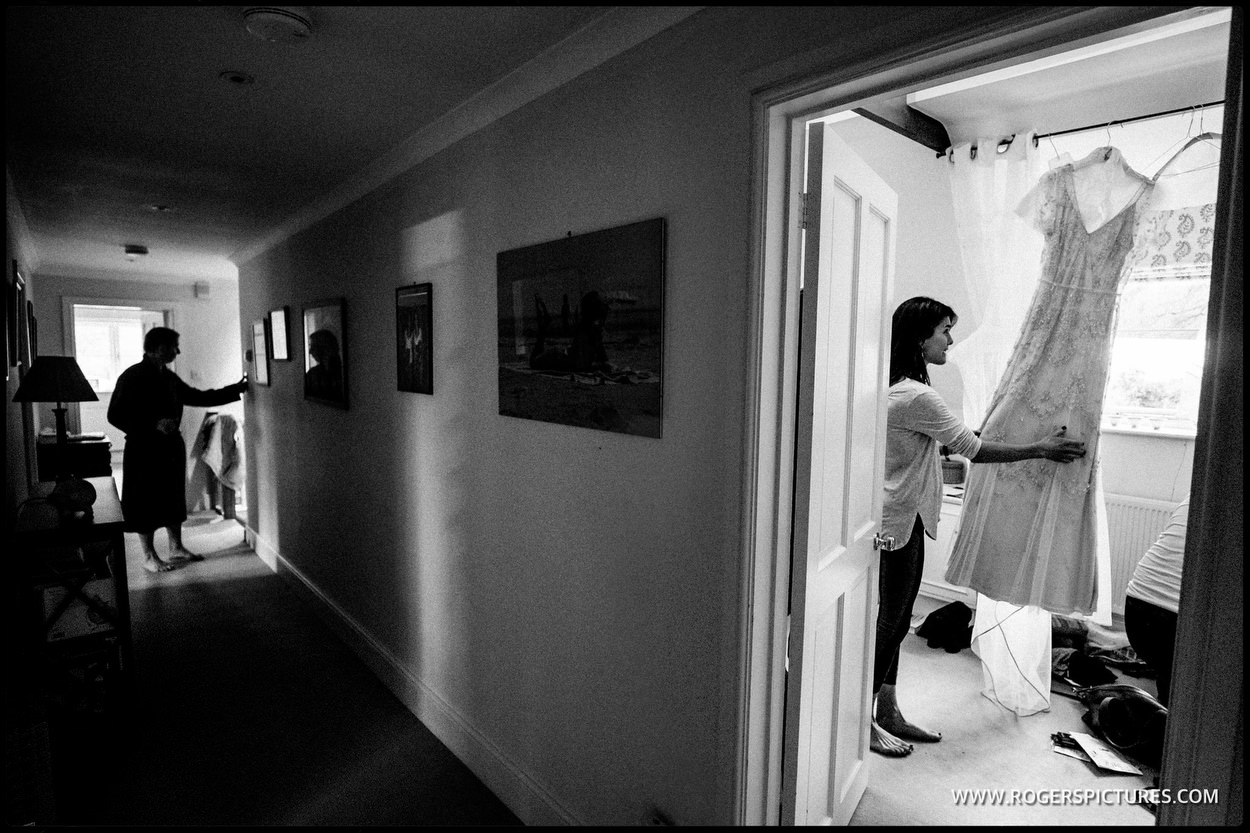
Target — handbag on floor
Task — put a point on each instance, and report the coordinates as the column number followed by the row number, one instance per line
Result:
column 1126, row 717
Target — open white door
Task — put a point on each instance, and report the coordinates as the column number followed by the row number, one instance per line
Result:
column 839, row 467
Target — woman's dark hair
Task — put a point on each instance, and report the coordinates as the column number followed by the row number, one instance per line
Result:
column 914, row 322
column 158, row 337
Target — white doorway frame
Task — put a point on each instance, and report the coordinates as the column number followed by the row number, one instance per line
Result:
column 824, row 87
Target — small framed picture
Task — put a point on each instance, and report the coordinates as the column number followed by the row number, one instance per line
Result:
column 260, row 354
column 279, row 340
column 325, row 352
column 414, row 331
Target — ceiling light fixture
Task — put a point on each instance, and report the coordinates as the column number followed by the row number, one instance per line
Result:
column 278, row 24
column 239, row 79
column 133, row 251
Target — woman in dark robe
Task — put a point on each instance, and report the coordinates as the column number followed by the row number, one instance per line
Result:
column 147, row 405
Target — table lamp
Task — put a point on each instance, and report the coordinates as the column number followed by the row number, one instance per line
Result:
column 58, row 379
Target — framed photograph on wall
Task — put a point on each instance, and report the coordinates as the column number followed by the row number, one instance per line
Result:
column 414, row 351
column 16, row 306
column 581, row 329
column 34, row 332
column 260, row 354
column 279, row 338
column 325, row 352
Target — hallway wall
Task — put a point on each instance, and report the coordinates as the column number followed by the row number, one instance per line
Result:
column 561, row 605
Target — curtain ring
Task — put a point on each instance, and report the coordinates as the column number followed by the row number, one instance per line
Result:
column 972, row 152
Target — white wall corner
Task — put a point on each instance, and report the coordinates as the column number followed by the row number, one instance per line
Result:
column 23, row 242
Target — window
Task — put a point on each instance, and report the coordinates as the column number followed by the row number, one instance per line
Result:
column 108, row 340
column 1160, row 335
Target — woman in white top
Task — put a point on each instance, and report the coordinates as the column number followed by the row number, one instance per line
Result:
column 918, row 422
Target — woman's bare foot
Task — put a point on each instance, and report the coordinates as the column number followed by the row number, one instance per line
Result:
column 183, row 554
column 883, row 743
column 154, row 564
column 900, row 728
column 890, row 719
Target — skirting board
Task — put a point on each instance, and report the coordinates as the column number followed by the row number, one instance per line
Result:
column 522, row 794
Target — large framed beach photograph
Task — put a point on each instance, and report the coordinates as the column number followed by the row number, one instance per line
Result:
column 414, row 334
column 581, row 330
column 325, row 352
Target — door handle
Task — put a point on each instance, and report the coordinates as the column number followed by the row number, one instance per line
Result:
column 880, row 542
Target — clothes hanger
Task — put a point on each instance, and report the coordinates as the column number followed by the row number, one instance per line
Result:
column 1203, row 137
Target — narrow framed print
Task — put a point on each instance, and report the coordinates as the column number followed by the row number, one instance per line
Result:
column 414, row 352
column 260, row 354
column 279, row 339
column 325, row 352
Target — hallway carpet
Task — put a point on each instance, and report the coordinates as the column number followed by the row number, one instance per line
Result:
column 249, row 711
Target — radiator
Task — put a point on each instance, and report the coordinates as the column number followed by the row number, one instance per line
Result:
column 1133, row 524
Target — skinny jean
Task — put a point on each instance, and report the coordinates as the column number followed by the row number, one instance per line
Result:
column 898, row 583
column 1151, row 630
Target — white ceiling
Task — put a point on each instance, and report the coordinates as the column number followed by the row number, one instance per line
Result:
column 113, row 109
column 1171, row 66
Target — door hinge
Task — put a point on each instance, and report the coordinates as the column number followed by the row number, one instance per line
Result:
column 803, row 210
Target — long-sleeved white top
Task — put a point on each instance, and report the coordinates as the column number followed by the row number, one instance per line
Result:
column 918, row 422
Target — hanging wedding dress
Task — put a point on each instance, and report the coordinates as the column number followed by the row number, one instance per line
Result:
column 1030, row 530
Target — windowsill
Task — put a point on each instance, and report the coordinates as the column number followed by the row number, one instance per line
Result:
column 1162, row 433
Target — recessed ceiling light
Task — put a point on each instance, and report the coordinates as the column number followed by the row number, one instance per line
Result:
column 160, row 209
column 239, row 79
column 278, row 24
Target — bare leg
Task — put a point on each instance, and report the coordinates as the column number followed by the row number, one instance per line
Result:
column 891, row 719
column 151, row 561
column 177, row 552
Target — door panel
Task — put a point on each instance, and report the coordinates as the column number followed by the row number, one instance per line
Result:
column 840, row 435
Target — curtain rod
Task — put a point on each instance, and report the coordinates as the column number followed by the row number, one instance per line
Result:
column 1040, row 136
column 1114, row 122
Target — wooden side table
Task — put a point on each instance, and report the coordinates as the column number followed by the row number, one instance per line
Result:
column 78, row 598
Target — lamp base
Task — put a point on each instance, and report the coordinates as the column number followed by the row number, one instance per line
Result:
column 74, row 497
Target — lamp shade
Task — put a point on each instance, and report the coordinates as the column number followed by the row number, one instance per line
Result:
column 54, row 379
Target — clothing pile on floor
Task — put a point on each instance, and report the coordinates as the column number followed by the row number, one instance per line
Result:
column 1084, row 654
column 948, row 627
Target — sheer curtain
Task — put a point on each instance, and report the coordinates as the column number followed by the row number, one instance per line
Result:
column 1001, row 257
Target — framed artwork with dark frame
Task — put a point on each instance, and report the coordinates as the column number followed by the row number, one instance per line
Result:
column 15, row 303
column 414, row 333
column 325, row 352
column 279, row 334
column 260, row 354
column 32, row 341
column 581, row 329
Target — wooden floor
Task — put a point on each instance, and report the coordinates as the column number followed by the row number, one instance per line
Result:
column 248, row 711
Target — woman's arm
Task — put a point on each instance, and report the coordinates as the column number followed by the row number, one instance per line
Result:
column 1056, row 447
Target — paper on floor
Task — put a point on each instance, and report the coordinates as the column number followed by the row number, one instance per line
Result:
column 1103, row 756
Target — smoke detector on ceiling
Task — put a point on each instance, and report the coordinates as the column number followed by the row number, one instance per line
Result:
column 278, row 24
